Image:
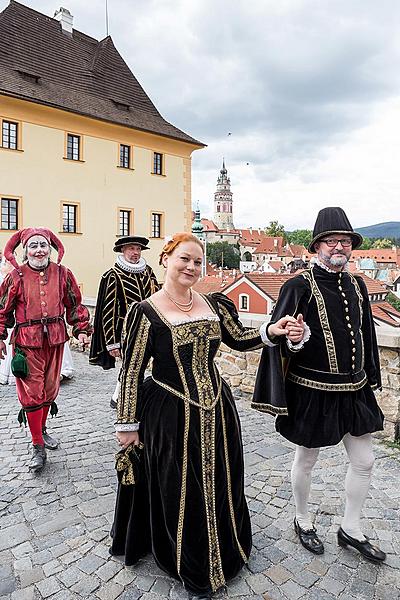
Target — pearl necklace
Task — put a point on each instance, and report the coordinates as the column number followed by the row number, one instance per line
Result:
column 183, row 306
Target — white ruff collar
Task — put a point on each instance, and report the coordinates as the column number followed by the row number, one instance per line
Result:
column 138, row 267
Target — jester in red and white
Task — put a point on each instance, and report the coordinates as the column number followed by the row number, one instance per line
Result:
column 38, row 297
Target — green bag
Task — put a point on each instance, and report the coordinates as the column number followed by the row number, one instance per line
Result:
column 19, row 364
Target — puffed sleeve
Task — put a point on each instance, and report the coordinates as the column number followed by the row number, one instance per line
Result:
column 136, row 352
column 234, row 334
column 76, row 313
column 371, row 352
column 8, row 297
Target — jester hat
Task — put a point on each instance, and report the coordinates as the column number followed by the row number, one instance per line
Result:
column 22, row 237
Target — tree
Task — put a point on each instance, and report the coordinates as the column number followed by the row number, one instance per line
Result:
column 366, row 245
column 382, row 243
column 300, row 237
column 275, row 229
column 223, row 254
column 393, row 300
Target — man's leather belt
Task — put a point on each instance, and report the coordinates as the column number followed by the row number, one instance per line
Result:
column 43, row 321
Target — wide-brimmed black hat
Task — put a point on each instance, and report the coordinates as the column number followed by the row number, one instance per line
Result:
column 331, row 220
column 131, row 239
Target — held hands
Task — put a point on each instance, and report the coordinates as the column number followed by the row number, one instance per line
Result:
column 125, row 438
column 289, row 326
column 3, row 350
column 84, row 340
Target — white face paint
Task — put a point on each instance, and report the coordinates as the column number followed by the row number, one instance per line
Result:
column 38, row 252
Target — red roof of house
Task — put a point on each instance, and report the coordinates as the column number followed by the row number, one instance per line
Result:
column 269, row 283
column 276, row 264
column 373, row 285
column 209, row 225
column 383, row 311
column 269, row 245
column 209, row 284
column 380, row 255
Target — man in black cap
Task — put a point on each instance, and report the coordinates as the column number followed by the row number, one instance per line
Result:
column 322, row 393
column 130, row 280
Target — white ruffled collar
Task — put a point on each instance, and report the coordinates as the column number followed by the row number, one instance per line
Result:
column 138, row 267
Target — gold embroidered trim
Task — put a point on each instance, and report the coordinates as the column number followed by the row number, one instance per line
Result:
column 330, row 387
column 179, row 532
column 237, row 333
column 207, row 440
column 129, row 393
column 188, row 398
column 268, row 408
column 323, row 317
column 229, row 484
column 360, row 303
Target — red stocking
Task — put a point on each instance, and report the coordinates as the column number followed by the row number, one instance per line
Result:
column 35, row 425
column 45, row 410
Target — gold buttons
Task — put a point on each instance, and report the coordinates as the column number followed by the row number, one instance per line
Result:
column 343, row 294
column 340, row 288
column 43, row 303
column 41, row 273
column 45, row 314
column 349, row 326
column 353, row 341
column 352, row 333
column 41, row 282
column 354, row 350
column 42, row 293
column 345, row 301
column 347, row 318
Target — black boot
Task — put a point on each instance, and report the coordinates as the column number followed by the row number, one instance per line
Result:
column 38, row 459
column 113, row 403
column 49, row 442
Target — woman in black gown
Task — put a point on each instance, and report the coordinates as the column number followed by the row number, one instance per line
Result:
column 187, row 506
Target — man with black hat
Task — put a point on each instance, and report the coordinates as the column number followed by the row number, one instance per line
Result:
column 130, row 280
column 322, row 393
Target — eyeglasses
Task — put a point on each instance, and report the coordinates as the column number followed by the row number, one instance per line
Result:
column 332, row 242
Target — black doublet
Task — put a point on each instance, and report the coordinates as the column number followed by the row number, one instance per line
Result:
column 118, row 289
column 332, row 375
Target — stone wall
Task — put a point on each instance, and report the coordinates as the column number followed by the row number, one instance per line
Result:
column 239, row 369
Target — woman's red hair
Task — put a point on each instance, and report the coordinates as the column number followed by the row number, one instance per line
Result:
column 177, row 239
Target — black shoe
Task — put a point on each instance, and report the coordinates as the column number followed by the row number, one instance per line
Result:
column 309, row 538
column 113, row 404
column 49, row 442
column 38, row 459
column 365, row 548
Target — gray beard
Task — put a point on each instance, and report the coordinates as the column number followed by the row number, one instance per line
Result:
column 330, row 261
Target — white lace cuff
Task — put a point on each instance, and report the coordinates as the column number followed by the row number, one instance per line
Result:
column 127, row 426
column 300, row 345
column 116, row 346
column 264, row 337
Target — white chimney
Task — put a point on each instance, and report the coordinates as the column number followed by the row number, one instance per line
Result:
column 65, row 18
column 275, row 242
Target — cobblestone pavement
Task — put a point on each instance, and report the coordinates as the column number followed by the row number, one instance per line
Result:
column 54, row 527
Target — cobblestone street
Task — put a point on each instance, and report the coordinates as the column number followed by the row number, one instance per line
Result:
column 55, row 526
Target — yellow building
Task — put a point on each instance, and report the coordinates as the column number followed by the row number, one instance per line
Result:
column 83, row 149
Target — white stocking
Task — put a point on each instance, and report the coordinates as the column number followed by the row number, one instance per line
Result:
column 116, row 392
column 304, row 461
column 358, row 478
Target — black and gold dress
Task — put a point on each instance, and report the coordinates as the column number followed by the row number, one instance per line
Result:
column 188, row 506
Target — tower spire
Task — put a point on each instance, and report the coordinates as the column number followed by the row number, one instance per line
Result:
column 223, row 216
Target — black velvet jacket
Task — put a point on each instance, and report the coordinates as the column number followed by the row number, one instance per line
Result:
column 342, row 353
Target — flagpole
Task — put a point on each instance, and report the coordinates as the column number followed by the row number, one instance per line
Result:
column 107, row 17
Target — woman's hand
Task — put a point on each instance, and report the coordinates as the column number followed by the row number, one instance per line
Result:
column 125, row 438
column 116, row 353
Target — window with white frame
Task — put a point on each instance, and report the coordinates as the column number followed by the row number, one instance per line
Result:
column 9, row 138
column 244, row 302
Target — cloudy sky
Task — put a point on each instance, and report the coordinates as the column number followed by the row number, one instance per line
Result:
column 308, row 89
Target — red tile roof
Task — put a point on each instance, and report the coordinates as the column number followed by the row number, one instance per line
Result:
column 269, row 245
column 76, row 73
column 209, row 284
column 270, row 283
column 383, row 311
column 373, row 285
column 276, row 264
column 383, row 255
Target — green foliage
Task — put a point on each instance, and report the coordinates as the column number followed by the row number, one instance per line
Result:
column 275, row 229
column 393, row 300
column 367, row 244
column 223, row 254
column 300, row 237
column 382, row 243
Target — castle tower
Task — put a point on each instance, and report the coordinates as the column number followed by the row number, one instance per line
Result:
column 223, row 217
column 197, row 227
